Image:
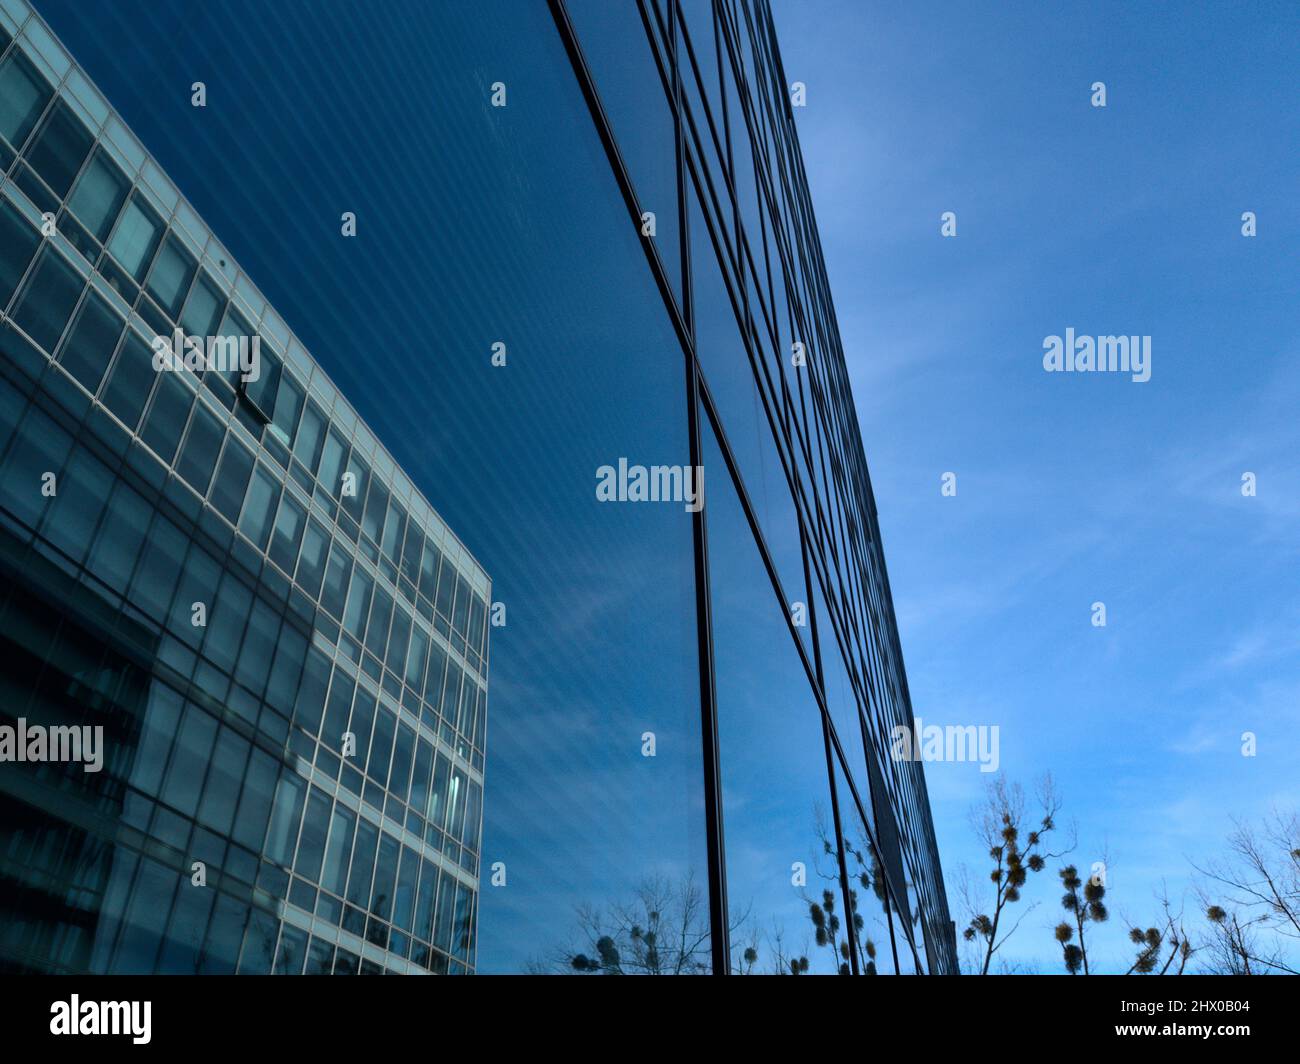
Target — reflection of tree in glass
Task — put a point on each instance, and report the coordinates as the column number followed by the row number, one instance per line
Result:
column 664, row 928
column 863, row 867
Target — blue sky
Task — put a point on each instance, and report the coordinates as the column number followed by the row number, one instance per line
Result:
column 1076, row 488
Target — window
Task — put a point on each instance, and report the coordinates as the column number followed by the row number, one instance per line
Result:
column 424, row 901
column 311, row 692
column 204, row 309
column 400, row 776
column 136, row 237
column 259, row 643
column 283, row 832
column 404, row 896
column 411, row 552
column 23, row 95
column 376, row 507
column 311, row 562
column 262, row 392
column 288, row 531
column 18, row 242
column 189, row 760
column 99, row 196
column 290, row 654
column 225, row 778
column 358, row 603
column 172, row 272
column 235, row 327
column 160, row 566
column 259, row 507
column 232, row 480
column 60, row 148
column 331, row 462
column 394, row 530
column 315, row 825
column 429, row 570
column 167, row 416
column 336, row 710
column 91, row 343
column 142, row 929
column 398, row 640
column 320, row 955
column 363, row 864
column 48, row 299
column 381, row 616
column 381, row 750
column 133, row 376
column 416, row 660
column 199, row 576
column 227, row 621
column 306, row 447
column 336, row 582
column 335, row 872
column 381, row 897
column 351, row 499
column 202, row 446
column 292, row 953
column 120, row 537
column 288, row 404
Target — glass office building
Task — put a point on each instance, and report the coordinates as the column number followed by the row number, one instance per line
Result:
column 283, row 644
column 542, row 248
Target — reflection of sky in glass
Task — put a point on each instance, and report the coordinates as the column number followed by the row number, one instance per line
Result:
column 475, row 225
column 775, row 798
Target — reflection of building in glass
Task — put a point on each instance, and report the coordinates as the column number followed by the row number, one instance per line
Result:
column 751, row 647
column 232, row 579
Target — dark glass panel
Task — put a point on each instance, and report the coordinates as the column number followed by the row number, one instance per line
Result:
column 47, row 301
column 18, row 242
column 60, row 148
column 23, row 95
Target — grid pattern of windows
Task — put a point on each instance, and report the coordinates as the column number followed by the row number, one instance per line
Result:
column 737, row 257
column 311, row 719
column 319, row 740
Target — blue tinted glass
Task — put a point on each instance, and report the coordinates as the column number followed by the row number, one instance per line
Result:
column 23, row 95
column 202, row 445
column 232, row 479
column 775, row 794
column 133, row 376
column 167, row 416
column 172, row 272
column 91, row 342
column 99, row 195
column 47, row 301
column 59, row 149
column 135, row 237
column 18, row 242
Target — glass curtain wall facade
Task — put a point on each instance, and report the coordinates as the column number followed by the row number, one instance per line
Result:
column 692, row 708
column 284, row 645
column 796, row 618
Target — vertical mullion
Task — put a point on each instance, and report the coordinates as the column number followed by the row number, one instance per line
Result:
column 719, row 925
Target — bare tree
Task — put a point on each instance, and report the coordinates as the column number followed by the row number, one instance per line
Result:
column 1171, row 935
column 662, row 930
column 1085, row 903
column 1000, row 822
column 1252, row 899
